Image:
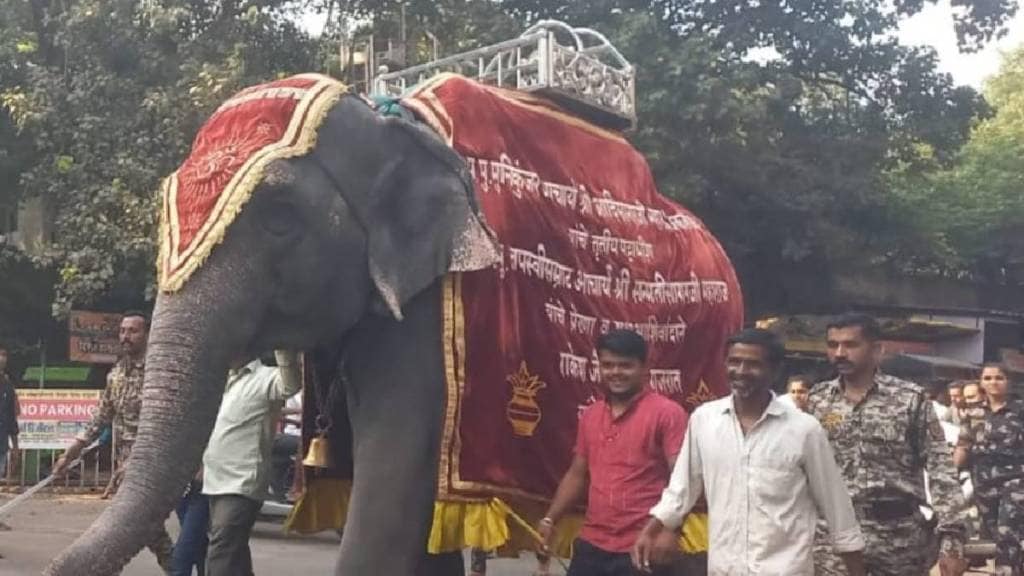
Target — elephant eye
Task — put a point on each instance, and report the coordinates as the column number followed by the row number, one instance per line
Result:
column 280, row 218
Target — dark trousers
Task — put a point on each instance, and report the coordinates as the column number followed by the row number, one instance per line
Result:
column 893, row 547
column 1003, row 516
column 190, row 549
column 284, row 451
column 231, row 520
column 589, row 560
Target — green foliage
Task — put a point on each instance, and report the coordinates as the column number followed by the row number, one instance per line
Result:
column 805, row 135
column 450, row 26
column 777, row 123
column 25, row 295
column 978, row 202
column 819, row 33
column 111, row 93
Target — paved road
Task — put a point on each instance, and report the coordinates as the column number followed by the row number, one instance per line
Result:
column 43, row 526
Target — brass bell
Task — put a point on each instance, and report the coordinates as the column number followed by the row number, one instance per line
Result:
column 319, row 453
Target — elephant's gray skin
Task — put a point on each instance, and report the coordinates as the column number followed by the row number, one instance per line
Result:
column 333, row 247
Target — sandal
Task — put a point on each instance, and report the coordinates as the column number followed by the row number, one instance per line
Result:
column 478, row 563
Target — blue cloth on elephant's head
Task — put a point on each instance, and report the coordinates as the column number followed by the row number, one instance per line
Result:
column 391, row 106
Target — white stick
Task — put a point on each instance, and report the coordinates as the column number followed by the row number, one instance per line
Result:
column 6, row 508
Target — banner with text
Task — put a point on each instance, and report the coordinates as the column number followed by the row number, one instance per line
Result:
column 94, row 337
column 52, row 418
column 588, row 245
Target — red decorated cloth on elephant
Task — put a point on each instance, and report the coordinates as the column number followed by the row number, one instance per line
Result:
column 588, row 245
column 241, row 138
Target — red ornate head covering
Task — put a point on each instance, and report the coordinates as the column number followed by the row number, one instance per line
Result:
column 229, row 155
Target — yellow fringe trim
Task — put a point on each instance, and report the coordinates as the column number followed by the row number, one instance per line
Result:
column 323, row 506
column 486, row 524
column 173, row 269
column 459, row 525
column 694, row 539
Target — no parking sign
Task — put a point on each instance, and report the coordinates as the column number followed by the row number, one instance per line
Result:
column 53, row 418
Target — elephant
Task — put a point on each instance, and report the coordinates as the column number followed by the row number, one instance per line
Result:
column 342, row 247
column 305, row 219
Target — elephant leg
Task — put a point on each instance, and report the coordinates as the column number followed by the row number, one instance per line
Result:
column 395, row 392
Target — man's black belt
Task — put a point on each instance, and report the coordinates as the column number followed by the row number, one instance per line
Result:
column 887, row 510
column 999, row 459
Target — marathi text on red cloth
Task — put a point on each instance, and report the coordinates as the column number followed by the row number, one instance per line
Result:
column 588, row 245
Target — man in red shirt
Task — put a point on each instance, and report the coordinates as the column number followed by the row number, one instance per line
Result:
column 626, row 447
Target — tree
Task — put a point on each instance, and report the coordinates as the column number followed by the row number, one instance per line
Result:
column 414, row 28
column 111, row 93
column 978, row 202
column 25, row 296
column 14, row 147
column 799, row 131
column 777, row 122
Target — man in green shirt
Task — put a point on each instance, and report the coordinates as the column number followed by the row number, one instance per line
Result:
column 236, row 465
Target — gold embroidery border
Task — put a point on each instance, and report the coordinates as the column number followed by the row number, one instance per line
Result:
column 432, row 118
column 450, row 383
column 449, row 480
column 433, row 112
column 174, row 269
column 426, row 103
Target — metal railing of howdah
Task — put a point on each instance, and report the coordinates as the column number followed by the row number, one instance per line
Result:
column 586, row 73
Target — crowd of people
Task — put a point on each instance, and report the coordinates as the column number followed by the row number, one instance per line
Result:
column 852, row 475
column 988, row 449
column 863, row 474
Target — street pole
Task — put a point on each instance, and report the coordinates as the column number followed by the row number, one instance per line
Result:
column 42, row 362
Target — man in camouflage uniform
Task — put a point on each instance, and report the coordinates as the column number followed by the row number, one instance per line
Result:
column 971, row 417
column 120, row 404
column 974, row 403
column 993, row 448
column 886, row 435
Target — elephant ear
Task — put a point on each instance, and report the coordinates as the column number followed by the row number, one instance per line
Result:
column 413, row 195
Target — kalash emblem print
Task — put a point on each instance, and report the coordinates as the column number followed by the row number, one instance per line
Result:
column 522, row 411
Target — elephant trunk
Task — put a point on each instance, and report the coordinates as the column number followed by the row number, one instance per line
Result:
column 186, row 368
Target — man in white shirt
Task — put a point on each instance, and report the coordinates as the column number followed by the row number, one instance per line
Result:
column 938, row 393
column 236, row 465
column 766, row 470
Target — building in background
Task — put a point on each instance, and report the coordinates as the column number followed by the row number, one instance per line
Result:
column 919, row 344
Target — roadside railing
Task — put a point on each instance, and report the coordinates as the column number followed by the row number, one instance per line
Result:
column 93, row 473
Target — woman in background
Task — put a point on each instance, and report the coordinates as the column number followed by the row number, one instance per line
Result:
column 994, row 451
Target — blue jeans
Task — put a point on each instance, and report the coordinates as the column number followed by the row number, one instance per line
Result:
column 190, row 550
